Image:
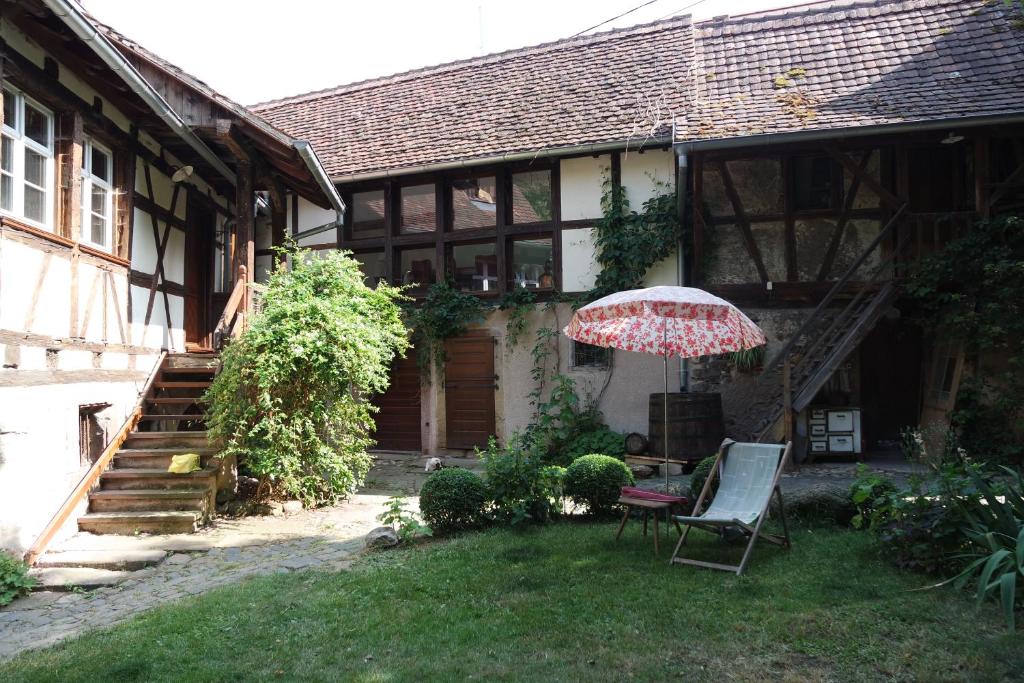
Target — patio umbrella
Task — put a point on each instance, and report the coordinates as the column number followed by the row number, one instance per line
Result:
column 665, row 321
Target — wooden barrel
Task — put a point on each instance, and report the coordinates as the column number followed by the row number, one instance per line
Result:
column 636, row 444
column 695, row 426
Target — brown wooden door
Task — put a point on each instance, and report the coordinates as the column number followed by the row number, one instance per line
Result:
column 398, row 422
column 469, row 388
column 198, row 273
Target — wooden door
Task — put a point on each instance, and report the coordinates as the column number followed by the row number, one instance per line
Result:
column 469, row 388
column 398, row 422
column 198, row 273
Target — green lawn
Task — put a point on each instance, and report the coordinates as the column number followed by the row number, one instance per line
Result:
column 559, row 603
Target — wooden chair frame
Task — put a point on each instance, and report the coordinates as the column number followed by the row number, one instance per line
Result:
column 754, row 532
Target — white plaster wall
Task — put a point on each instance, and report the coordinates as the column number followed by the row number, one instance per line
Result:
column 39, row 449
column 579, row 265
column 647, row 174
column 174, row 256
column 581, row 180
column 22, row 279
column 143, row 243
column 311, row 216
column 664, row 272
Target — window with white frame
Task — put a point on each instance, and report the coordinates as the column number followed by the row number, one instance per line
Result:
column 97, row 195
column 26, row 159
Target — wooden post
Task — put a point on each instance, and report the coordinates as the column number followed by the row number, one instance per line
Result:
column 982, row 201
column 245, row 228
column 278, row 220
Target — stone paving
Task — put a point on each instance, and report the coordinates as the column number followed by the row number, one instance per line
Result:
column 225, row 552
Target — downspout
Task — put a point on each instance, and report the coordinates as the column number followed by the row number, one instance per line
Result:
column 323, row 180
column 84, row 29
column 682, row 183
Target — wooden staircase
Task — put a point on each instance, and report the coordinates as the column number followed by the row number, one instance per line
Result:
column 137, row 494
column 792, row 378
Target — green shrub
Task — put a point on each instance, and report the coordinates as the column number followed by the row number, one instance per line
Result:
column 290, row 400
column 601, row 440
column 699, row 476
column 595, row 481
column 520, row 486
column 14, row 578
column 452, row 499
column 871, row 493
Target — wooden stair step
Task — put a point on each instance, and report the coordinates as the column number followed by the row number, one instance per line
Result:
column 70, row 578
column 163, row 522
column 181, row 385
column 189, row 370
column 175, row 400
column 157, row 458
column 111, row 560
column 167, row 439
column 150, row 479
column 151, row 500
column 177, row 417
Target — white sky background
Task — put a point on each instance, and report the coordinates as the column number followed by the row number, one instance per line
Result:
column 256, row 50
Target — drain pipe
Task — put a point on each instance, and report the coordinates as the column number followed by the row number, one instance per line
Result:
column 312, row 161
column 682, row 183
column 74, row 19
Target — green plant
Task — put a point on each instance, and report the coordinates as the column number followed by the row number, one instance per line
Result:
column 599, row 440
column 521, row 487
column 700, row 475
column 628, row 242
column 994, row 523
column 871, row 494
column 518, row 302
column 403, row 521
column 595, row 481
column 446, row 312
column 289, row 400
column 14, row 578
column 747, row 360
column 452, row 499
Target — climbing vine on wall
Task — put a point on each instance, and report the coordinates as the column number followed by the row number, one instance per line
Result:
column 446, row 312
column 629, row 242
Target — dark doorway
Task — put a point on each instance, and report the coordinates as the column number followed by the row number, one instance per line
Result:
column 398, row 422
column 198, row 276
column 469, row 387
column 890, row 380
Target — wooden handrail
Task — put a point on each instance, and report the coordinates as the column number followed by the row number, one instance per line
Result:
column 813, row 318
column 226, row 327
column 98, row 467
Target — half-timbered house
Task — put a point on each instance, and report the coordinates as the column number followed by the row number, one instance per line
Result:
column 815, row 151
column 129, row 192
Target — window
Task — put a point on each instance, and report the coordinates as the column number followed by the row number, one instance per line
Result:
column 474, row 203
column 372, row 265
column 26, row 159
column 531, row 197
column 475, row 267
column 419, row 210
column 223, row 252
column 531, row 264
column 589, row 356
column 417, row 266
column 97, row 196
column 814, row 183
column 368, row 214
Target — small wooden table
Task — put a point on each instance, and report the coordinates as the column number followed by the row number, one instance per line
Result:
column 648, row 506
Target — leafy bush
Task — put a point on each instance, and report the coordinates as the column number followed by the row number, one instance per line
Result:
column 290, row 398
column 402, row 520
column 520, row 486
column 595, row 481
column 14, row 578
column 699, row 476
column 994, row 524
column 872, row 495
column 452, row 499
column 601, row 440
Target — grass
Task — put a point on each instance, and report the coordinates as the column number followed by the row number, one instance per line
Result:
column 560, row 603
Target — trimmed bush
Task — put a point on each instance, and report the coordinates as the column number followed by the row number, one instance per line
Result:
column 699, row 476
column 14, row 578
column 601, row 440
column 452, row 499
column 594, row 481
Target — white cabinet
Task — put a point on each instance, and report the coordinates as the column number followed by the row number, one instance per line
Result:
column 834, row 431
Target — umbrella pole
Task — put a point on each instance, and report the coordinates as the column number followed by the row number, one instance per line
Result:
column 664, row 416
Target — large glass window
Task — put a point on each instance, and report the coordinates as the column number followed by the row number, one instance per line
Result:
column 474, row 203
column 417, row 266
column 531, row 197
column 373, row 266
column 368, row 214
column 26, row 171
column 419, row 209
column 475, row 267
column 532, row 266
column 97, row 196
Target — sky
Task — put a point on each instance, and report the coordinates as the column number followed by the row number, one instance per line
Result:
column 257, row 50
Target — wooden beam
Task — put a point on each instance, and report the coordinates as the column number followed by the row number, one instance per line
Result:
column 278, row 220
column 70, row 151
column 837, row 234
column 886, row 196
column 245, row 254
column 226, row 134
column 788, row 182
column 742, row 222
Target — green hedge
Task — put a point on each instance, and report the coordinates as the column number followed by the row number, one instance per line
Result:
column 452, row 499
column 594, row 481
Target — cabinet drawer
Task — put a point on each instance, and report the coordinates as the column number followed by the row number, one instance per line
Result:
column 840, row 443
column 817, row 430
column 819, row 447
column 840, row 421
column 818, row 414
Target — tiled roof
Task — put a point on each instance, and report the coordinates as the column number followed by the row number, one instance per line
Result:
column 833, row 65
column 614, row 86
column 818, row 66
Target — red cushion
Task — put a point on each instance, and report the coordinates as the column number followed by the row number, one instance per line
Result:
column 644, row 494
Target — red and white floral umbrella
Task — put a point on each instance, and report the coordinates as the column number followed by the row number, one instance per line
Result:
column 665, row 321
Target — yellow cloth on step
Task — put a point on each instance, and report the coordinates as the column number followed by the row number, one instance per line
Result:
column 184, row 463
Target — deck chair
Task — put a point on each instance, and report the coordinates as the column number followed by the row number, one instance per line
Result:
column 749, row 475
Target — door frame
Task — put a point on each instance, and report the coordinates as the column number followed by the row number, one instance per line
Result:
column 198, row 320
